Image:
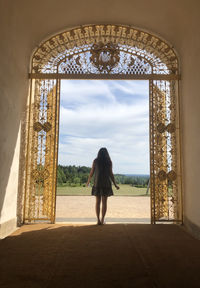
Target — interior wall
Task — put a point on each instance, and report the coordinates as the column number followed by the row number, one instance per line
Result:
column 24, row 24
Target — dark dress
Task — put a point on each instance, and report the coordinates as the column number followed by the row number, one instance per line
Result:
column 102, row 182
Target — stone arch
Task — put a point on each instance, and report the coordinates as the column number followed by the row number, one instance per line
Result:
column 103, row 52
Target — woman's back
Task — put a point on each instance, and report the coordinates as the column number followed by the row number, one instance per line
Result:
column 102, row 174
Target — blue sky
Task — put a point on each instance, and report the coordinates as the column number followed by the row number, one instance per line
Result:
column 105, row 113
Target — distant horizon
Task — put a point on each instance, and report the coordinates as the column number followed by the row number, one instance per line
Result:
column 126, row 174
column 105, row 113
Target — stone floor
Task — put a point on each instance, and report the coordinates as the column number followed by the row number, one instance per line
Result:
column 106, row 256
column 121, row 209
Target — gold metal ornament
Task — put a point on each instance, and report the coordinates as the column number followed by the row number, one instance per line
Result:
column 47, row 126
column 104, row 56
column 171, row 128
column 103, row 52
column 171, row 175
column 37, row 126
column 162, row 175
column 161, row 127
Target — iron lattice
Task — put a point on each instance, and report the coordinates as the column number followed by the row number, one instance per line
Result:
column 103, row 52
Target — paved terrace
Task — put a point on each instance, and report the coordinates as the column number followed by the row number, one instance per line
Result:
column 121, row 209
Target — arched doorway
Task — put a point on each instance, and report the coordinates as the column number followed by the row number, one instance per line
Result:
column 103, row 52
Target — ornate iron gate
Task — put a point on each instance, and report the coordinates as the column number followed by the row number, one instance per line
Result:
column 42, row 149
column 103, row 52
column 164, row 152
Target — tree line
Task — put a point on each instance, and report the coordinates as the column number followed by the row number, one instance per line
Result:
column 78, row 175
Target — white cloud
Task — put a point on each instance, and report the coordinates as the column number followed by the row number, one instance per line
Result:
column 100, row 120
column 80, row 92
column 132, row 87
column 88, row 119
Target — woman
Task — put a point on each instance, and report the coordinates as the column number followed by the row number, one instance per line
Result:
column 102, row 188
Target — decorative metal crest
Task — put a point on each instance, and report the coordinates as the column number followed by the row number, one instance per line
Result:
column 104, row 57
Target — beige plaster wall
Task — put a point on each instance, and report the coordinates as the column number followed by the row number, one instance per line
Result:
column 24, row 24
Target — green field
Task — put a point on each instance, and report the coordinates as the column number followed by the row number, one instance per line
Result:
column 125, row 190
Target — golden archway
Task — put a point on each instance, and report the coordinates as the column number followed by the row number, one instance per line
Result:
column 103, row 52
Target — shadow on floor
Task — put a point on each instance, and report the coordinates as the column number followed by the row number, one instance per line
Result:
column 114, row 255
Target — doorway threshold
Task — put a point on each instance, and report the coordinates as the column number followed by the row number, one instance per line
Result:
column 108, row 220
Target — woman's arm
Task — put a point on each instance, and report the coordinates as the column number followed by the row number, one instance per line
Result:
column 91, row 173
column 113, row 178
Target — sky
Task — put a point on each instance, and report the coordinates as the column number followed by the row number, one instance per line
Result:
column 105, row 113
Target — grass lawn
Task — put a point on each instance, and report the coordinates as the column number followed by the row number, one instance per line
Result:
column 125, row 190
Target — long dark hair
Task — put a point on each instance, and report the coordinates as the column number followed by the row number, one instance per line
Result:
column 103, row 159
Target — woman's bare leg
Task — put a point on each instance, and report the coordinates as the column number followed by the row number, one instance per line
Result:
column 104, row 208
column 97, row 207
